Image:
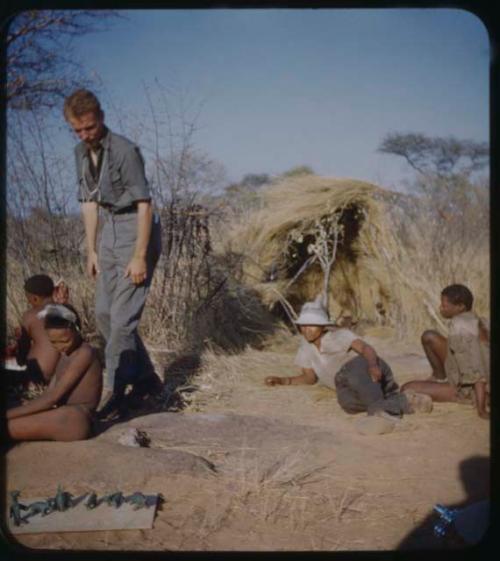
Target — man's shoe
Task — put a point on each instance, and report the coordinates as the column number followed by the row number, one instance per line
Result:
column 147, row 387
column 114, row 408
column 143, row 390
column 418, row 402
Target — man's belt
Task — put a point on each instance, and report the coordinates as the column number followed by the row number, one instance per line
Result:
column 124, row 210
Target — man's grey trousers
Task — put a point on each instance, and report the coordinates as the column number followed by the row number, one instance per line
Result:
column 119, row 302
column 357, row 392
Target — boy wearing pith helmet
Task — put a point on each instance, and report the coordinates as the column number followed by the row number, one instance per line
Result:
column 363, row 383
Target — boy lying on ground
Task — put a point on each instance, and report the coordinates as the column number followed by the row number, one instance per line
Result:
column 64, row 411
column 460, row 364
column 363, row 383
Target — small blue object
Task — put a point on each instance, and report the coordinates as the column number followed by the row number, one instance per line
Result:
column 446, row 518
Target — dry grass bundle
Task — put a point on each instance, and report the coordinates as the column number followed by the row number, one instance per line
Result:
column 373, row 279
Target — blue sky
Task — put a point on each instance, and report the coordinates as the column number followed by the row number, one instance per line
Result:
column 281, row 88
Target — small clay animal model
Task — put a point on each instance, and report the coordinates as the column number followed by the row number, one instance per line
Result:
column 92, row 501
column 15, row 508
column 38, row 507
column 51, row 503
column 138, row 500
column 114, row 499
column 62, row 500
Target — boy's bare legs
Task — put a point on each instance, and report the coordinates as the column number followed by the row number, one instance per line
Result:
column 65, row 423
column 439, row 391
column 480, row 393
column 435, row 348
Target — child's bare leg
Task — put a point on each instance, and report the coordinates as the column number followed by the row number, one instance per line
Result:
column 66, row 423
column 439, row 391
column 435, row 348
column 480, row 393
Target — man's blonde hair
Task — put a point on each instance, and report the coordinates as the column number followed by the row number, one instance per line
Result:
column 81, row 102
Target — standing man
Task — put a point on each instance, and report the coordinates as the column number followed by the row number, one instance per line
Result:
column 112, row 185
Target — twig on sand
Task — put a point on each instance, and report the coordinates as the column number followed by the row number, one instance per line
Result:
column 276, row 507
column 342, row 501
column 298, row 479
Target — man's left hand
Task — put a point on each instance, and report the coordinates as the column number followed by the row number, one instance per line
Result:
column 136, row 270
column 375, row 373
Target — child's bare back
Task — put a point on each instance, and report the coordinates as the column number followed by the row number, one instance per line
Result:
column 87, row 391
column 40, row 355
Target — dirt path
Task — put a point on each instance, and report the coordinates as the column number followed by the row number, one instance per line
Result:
column 247, row 467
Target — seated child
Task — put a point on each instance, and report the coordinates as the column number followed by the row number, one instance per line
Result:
column 460, row 361
column 363, row 381
column 64, row 411
column 33, row 346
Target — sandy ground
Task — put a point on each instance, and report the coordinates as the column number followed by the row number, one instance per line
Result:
column 247, row 467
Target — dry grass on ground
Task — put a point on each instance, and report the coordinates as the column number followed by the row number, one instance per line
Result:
column 247, row 467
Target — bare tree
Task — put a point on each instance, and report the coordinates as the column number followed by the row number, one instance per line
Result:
column 323, row 236
column 44, row 230
column 41, row 66
column 182, row 177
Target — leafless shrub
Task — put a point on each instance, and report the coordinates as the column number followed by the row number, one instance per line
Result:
column 194, row 296
column 44, row 231
column 41, row 63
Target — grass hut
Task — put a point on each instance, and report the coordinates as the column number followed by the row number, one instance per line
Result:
column 372, row 281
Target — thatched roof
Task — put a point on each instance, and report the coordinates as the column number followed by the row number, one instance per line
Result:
column 371, row 280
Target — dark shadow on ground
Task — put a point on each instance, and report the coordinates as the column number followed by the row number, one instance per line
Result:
column 177, row 375
column 230, row 319
column 475, row 476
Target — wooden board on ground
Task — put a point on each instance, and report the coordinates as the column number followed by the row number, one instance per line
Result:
column 80, row 519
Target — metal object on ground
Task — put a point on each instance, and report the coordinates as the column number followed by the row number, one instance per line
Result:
column 469, row 523
column 446, row 517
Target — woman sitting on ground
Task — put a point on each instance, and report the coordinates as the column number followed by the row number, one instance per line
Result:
column 64, row 411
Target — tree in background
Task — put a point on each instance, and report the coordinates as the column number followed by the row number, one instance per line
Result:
column 41, row 67
column 43, row 231
column 243, row 196
column 436, row 156
column 448, row 220
column 298, row 171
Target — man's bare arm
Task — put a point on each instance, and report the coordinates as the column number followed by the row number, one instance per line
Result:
column 308, row 376
column 90, row 214
column 137, row 268
column 368, row 352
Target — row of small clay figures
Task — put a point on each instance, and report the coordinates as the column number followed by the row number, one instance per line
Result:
column 63, row 501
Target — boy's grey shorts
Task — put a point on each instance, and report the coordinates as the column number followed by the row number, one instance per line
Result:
column 357, row 392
